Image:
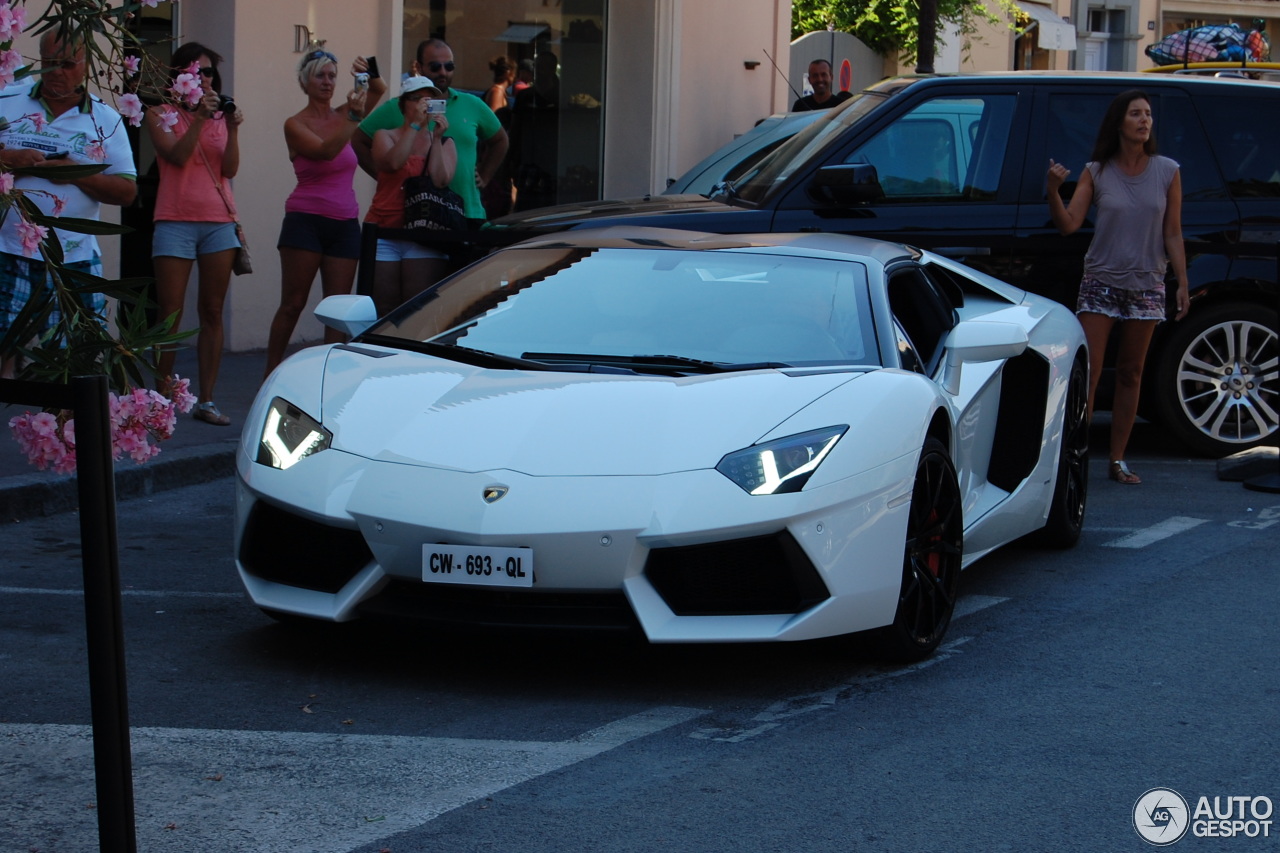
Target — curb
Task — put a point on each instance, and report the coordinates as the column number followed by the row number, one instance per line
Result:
column 36, row 495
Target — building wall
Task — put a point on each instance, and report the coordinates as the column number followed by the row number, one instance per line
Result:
column 679, row 85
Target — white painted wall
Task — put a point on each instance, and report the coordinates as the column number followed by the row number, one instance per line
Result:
column 678, row 83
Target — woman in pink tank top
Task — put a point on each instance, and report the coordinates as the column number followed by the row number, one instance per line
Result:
column 321, row 230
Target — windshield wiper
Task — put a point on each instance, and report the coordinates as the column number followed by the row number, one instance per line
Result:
column 725, row 188
column 455, row 352
column 652, row 363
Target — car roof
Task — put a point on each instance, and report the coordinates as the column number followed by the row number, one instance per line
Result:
column 1138, row 78
column 807, row 244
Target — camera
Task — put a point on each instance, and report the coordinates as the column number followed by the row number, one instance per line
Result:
column 362, row 82
column 225, row 104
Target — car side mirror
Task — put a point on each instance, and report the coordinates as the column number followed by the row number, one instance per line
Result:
column 846, row 184
column 348, row 313
column 980, row 341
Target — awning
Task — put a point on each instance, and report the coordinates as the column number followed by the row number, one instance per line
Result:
column 1055, row 33
column 522, row 33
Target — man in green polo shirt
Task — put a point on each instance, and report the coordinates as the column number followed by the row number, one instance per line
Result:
column 470, row 122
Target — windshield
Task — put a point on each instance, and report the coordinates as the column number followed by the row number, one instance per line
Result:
column 756, row 185
column 642, row 308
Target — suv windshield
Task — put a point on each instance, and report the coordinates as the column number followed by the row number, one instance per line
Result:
column 774, row 170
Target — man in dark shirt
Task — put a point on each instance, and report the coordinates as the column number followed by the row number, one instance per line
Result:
column 822, row 97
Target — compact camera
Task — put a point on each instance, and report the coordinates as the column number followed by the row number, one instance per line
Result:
column 225, row 104
column 362, row 82
column 436, row 107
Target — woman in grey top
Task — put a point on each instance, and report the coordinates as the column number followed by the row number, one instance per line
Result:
column 1138, row 235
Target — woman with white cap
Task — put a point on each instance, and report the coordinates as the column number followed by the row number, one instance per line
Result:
column 404, row 268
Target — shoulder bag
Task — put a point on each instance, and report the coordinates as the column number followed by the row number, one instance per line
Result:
column 429, row 207
column 243, row 262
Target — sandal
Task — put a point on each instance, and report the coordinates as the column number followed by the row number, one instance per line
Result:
column 208, row 412
column 1121, row 474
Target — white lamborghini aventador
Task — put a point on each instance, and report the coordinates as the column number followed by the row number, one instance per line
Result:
column 705, row 438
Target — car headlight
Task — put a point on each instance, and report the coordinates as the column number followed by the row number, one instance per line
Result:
column 783, row 465
column 289, row 435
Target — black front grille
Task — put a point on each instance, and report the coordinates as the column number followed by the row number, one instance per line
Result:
column 285, row 548
column 764, row 574
column 459, row 606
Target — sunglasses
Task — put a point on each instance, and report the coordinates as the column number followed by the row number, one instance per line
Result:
column 436, row 66
column 321, row 54
column 207, row 71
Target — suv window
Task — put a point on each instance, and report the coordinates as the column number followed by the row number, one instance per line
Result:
column 1246, row 137
column 946, row 149
column 1074, row 118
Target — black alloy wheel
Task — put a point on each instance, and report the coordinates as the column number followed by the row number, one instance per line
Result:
column 1217, row 384
column 1066, row 512
column 931, row 560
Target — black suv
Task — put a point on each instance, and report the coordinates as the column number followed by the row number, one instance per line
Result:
column 956, row 164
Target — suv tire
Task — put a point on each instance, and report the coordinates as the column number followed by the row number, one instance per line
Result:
column 1211, row 389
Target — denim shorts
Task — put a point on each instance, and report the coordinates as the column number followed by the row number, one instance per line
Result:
column 1120, row 303
column 405, row 250
column 192, row 239
column 311, row 232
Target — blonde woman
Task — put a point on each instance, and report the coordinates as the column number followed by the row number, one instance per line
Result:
column 321, row 230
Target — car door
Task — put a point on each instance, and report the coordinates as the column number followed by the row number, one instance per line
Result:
column 1065, row 123
column 948, row 163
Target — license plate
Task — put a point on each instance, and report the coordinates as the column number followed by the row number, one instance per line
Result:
column 480, row 566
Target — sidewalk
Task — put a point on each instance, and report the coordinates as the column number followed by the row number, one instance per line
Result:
column 197, row 453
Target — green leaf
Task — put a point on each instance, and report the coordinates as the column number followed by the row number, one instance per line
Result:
column 63, row 173
column 80, row 226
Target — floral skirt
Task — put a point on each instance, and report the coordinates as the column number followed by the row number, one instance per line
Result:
column 1120, row 303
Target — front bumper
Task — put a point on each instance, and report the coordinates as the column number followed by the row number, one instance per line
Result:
column 686, row 557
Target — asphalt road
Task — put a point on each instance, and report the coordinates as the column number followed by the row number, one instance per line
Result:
column 1073, row 683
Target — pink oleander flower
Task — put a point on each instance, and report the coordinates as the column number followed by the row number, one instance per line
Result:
column 95, row 151
column 131, row 65
column 130, row 107
column 10, row 61
column 12, row 21
column 59, row 205
column 40, row 438
column 37, row 120
column 186, row 86
column 31, row 235
column 140, row 420
column 180, row 393
column 6, row 183
column 169, row 118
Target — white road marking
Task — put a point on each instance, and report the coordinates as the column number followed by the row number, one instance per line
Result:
column 274, row 792
column 970, row 604
column 781, row 711
column 1146, row 536
column 126, row 593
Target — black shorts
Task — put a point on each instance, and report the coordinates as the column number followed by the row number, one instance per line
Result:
column 336, row 238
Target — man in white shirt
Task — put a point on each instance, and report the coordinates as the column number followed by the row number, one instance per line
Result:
column 53, row 124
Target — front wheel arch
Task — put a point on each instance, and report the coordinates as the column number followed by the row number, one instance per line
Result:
column 932, row 560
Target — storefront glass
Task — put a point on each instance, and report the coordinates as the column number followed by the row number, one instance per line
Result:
column 554, row 112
